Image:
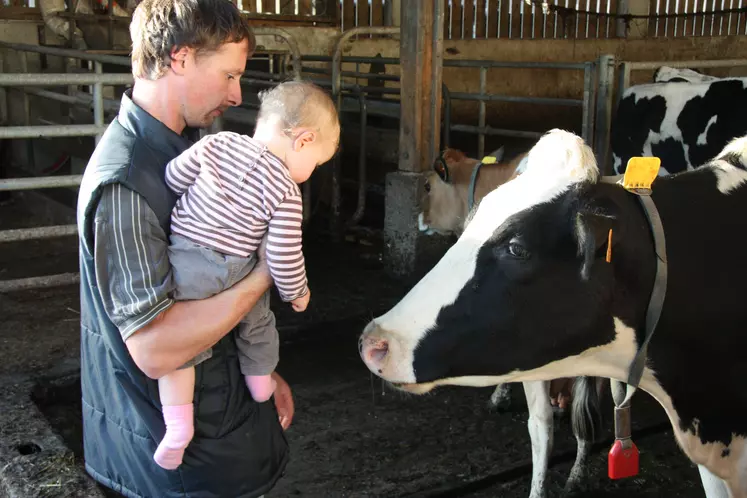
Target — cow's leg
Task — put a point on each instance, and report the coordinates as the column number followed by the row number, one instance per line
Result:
column 500, row 400
column 540, row 432
column 586, row 421
column 714, row 486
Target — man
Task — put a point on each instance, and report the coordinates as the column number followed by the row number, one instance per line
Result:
column 187, row 58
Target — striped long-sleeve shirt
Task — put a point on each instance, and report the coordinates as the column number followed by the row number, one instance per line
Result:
column 233, row 191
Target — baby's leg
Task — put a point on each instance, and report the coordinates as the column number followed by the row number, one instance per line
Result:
column 176, row 391
column 257, row 343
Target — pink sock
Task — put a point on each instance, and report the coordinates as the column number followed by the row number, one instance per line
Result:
column 261, row 386
column 179, row 432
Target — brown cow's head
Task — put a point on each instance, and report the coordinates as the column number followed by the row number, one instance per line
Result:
column 445, row 202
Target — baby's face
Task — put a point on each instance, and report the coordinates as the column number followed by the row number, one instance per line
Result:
column 311, row 149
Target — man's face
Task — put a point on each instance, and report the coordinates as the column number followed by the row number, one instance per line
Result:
column 211, row 83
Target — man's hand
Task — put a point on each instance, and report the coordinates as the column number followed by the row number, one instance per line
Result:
column 283, row 401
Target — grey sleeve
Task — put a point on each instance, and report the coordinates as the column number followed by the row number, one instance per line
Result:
column 133, row 273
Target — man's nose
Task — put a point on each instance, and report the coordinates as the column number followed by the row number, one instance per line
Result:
column 234, row 93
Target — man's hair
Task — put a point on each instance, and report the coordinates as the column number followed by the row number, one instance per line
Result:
column 297, row 104
column 159, row 26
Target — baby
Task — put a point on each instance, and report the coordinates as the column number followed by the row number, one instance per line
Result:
column 234, row 189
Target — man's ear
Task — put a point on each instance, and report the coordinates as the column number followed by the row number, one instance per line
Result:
column 179, row 57
column 593, row 235
column 304, row 139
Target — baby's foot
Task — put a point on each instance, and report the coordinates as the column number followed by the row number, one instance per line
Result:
column 179, row 432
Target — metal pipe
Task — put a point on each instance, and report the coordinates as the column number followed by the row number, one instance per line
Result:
column 33, row 183
column 292, row 44
column 337, row 97
column 39, row 282
column 481, row 112
column 59, row 79
column 363, row 60
column 513, row 65
column 98, row 102
column 585, row 114
column 353, row 74
column 51, row 131
column 686, row 64
column 361, row 207
column 496, row 131
column 66, row 52
column 605, row 68
column 80, row 98
column 446, row 97
column 511, row 98
column 51, row 232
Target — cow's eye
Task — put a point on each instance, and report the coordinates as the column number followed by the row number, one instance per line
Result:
column 517, row 250
column 427, row 186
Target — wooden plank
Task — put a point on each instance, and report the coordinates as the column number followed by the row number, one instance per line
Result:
column 249, row 6
column 377, row 13
column 480, row 17
column 421, row 57
column 304, row 7
column 469, row 19
column 363, row 12
column 348, row 14
column 492, row 18
column 456, row 19
column 268, row 6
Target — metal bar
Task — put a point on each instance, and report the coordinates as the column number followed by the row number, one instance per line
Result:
column 585, row 128
column 33, row 183
column 352, row 74
column 605, row 69
column 482, row 111
column 361, row 207
column 26, row 104
column 336, row 200
column 363, row 60
column 39, row 282
column 53, row 131
column 66, row 52
column 511, row 98
column 80, row 98
column 290, row 40
column 496, row 131
column 51, row 232
column 59, row 79
column 446, row 95
column 686, row 64
column 509, row 64
column 98, row 102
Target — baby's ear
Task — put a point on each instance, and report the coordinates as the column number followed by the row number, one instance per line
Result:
column 304, row 139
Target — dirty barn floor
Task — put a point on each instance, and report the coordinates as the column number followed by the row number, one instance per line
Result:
column 351, row 437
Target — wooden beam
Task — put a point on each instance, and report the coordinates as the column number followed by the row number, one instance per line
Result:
column 421, row 62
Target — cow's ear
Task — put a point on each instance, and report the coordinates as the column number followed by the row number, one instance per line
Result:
column 593, row 236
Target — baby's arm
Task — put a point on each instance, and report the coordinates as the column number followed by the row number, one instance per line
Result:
column 182, row 171
column 284, row 251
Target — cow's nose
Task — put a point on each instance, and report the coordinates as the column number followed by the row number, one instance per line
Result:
column 374, row 351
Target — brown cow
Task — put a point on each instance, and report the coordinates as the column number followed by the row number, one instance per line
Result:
column 445, row 205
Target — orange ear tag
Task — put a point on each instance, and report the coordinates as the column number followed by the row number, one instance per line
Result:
column 609, row 247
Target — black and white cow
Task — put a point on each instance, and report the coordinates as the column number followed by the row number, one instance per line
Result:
column 685, row 118
column 525, row 294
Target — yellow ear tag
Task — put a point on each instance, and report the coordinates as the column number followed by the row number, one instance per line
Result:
column 488, row 160
column 640, row 174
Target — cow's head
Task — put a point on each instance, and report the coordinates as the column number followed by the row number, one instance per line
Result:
column 523, row 287
column 444, row 203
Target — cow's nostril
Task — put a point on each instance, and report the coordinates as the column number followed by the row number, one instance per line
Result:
column 377, row 351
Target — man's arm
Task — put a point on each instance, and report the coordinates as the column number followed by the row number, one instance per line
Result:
column 134, row 277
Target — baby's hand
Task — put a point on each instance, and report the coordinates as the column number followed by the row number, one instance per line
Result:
column 300, row 303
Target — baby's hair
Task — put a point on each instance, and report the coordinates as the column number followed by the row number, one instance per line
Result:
column 297, row 104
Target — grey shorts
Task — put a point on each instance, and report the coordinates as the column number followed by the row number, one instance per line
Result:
column 200, row 272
